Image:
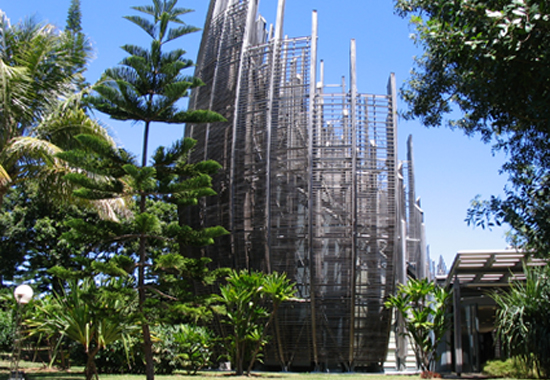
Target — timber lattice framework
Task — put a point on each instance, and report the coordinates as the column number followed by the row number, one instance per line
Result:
column 311, row 186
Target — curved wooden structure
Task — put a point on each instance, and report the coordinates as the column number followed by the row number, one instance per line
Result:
column 310, row 185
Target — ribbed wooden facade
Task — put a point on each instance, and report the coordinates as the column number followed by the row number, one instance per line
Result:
column 311, row 186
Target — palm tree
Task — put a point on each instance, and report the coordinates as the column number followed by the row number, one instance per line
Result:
column 40, row 110
column 87, row 314
column 246, row 297
column 423, row 306
column 146, row 87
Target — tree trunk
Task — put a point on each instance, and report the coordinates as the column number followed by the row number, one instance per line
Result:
column 3, row 192
column 148, row 351
column 239, row 353
column 147, row 343
column 91, row 369
column 280, row 345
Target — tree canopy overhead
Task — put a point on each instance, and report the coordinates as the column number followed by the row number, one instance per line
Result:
column 489, row 59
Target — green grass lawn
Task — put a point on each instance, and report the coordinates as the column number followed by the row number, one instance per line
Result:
column 37, row 371
column 34, row 372
column 44, row 375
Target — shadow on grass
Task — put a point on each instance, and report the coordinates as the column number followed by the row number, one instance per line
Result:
column 39, row 375
column 56, row 376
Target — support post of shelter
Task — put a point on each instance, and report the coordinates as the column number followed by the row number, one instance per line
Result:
column 457, row 326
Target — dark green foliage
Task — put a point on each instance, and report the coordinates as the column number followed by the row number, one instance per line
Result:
column 523, row 319
column 194, row 347
column 118, row 358
column 167, row 277
column 7, row 330
column 423, row 306
column 147, row 87
column 182, row 347
column 31, row 242
column 91, row 315
column 176, row 348
column 251, row 301
column 486, row 57
column 489, row 60
column 74, row 17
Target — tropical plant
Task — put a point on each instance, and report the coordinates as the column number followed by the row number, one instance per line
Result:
column 251, row 301
column 182, row 347
column 175, row 348
column 40, row 68
column 89, row 314
column 488, row 60
column 423, row 307
column 119, row 358
column 144, row 245
column 523, row 319
column 80, row 44
column 147, row 87
column 194, row 347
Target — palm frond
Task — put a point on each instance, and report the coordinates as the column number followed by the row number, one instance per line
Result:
column 4, row 177
column 15, row 99
column 65, row 122
column 33, row 149
column 112, row 209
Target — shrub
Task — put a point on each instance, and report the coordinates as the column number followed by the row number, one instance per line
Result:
column 115, row 359
column 423, row 307
column 523, row 319
column 515, row 368
column 7, row 330
column 179, row 347
column 251, row 300
column 185, row 347
column 194, row 346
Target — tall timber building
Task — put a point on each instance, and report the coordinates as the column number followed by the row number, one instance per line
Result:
column 310, row 186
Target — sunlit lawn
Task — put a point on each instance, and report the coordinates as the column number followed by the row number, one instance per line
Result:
column 44, row 375
column 36, row 371
column 213, row 376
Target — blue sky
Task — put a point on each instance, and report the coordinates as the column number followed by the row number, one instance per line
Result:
column 451, row 168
